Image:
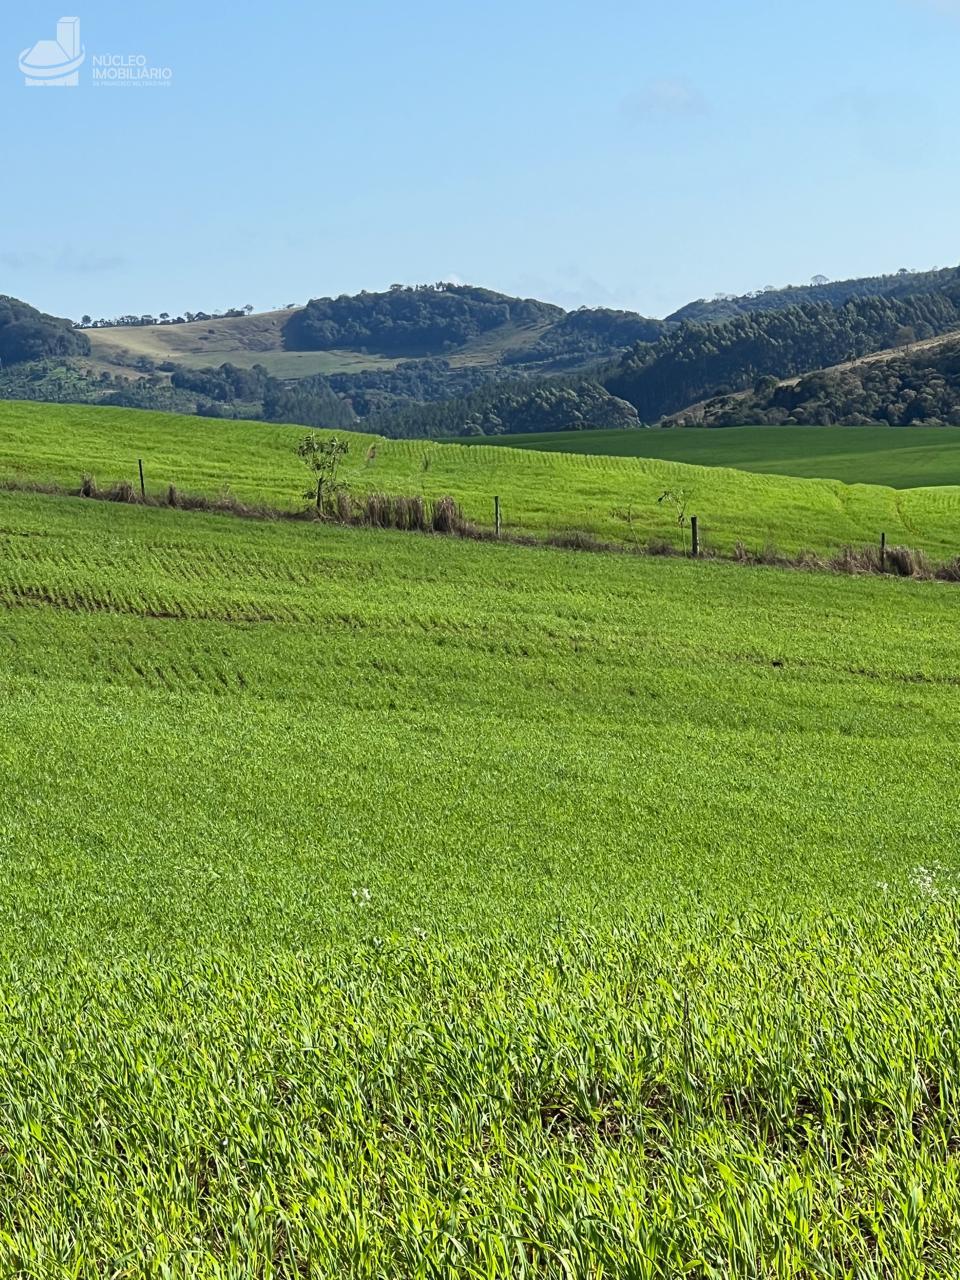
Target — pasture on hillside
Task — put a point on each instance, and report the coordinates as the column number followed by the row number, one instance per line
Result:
column 385, row 905
column 900, row 457
column 542, row 493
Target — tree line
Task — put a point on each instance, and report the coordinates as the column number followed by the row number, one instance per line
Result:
column 164, row 318
column 511, row 408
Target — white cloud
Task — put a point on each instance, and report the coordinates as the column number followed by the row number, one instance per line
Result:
column 951, row 8
column 69, row 259
column 21, row 260
column 670, row 96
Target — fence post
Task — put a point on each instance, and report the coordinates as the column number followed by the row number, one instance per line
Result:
column 694, row 537
column 143, row 488
column 883, row 553
column 497, row 521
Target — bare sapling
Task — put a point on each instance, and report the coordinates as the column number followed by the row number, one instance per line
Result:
column 679, row 499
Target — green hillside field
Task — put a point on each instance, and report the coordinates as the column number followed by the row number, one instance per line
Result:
column 613, row 497
column 899, row 457
column 384, row 905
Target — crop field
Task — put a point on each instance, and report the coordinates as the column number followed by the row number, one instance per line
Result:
column 611, row 497
column 899, row 457
column 383, row 905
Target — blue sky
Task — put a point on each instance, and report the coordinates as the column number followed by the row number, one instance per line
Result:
column 617, row 152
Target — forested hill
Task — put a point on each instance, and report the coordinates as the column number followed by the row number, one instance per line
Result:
column 29, row 334
column 450, row 359
column 833, row 293
column 428, row 320
column 697, row 362
column 918, row 386
column 592, row 333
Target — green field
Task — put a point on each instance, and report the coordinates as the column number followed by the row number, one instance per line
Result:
column 379, row 905
column 613, row 497
column 900, row 457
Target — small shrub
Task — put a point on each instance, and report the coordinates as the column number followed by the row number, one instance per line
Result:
column 906, row 562
column 123, row 491
column 447, row 516
column 342, row 507
column 575, row 540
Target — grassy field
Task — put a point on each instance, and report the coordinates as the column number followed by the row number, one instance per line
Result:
column 379, row 905
column 240, row 340
column 258, row 339
column 612, row 497
column 899, row 457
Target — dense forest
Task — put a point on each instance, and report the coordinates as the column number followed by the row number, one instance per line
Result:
column 918, row 387
column 29, row 334
column 590, row 334
column 421, row 321
column 412, row 381
column 512, row 408
column 229, row 391
column 698, row 362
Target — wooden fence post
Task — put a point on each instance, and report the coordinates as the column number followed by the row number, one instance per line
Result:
column 694, row 537
column 497, row 521
column 143, row 487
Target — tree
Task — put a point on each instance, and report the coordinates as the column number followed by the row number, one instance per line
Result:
column 819, row 281
column 323, row 457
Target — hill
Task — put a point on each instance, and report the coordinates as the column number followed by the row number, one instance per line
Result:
column 242, row 341
column 382, row 905
column 834, row 293
column 379, row 353
column 541, row 493
column 468, row 326
column 699, row 361
column 920, row 457
column 902, row 388
column 29, row 334
column 386, row 355
column 425, row 321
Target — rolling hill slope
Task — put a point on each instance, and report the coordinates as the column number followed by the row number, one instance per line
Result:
column 903, row 458
column 612, row 497
column 240, row 340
